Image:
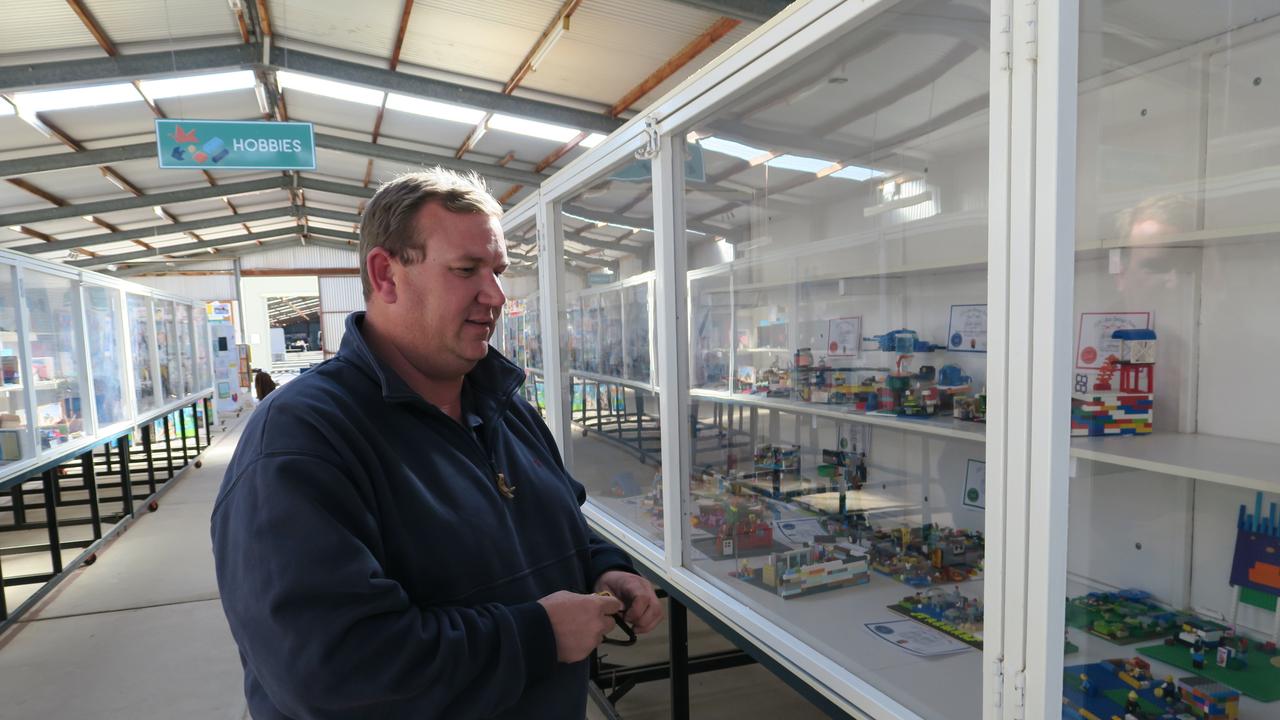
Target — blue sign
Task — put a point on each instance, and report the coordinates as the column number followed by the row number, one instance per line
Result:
column 235, row 145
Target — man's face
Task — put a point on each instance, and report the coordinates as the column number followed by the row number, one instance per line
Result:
column 446, row 306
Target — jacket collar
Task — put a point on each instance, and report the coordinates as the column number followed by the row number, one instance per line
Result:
column 492, row 381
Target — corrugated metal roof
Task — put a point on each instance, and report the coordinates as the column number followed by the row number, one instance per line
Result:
column 301, row 256
column 58, row 26
column 341, row 294
column 369, row 30
column 442, row 34
column 123, row 22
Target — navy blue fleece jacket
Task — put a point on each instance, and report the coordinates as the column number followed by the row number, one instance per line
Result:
column 369, row 566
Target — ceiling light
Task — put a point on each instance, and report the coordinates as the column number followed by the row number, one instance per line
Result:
column 329, row 88
column 592, row 140
column 159, row 211
column 545, row 48
column 434, row 109
column 16, row 228
column 89, row 218
column 189, row 85
column 731, row 148
column 533, row 128
column 67, row 98
column 113, row 267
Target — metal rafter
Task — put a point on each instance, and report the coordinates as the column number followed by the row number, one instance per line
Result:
column 188, row 247
column 754, row 10
column 129, row 203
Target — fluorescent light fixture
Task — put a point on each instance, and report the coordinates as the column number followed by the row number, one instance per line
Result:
column 592, row 140
column 329, row 88
column 545, row 48
column 600, row 224
column 67, row 98
column 731, row 148
column 434, row 109
column 16, row 228
column 87, row 217
column 112, row 267
column 159, row 211
column 799, row 163
column 198, row 84
column 854, row 172
column 533, row 128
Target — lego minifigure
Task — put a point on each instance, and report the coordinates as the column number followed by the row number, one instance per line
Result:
column 1197, row 654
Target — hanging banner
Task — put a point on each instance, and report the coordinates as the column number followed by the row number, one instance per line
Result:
column 235, row 145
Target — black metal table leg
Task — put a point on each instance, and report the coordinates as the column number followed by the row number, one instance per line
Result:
column 208, row 421
column 51, row 519
column 168, row 447
column 640, row 426
column 195, row 425
column 678, row 635
column 126, row 479
column 91, row 485
column 19, row 506
column 182, row 434
column 147, row 441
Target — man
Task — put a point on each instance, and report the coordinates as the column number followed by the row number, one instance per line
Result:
column 396, row 536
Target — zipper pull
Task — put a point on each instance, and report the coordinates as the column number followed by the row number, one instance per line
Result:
column 504, row 488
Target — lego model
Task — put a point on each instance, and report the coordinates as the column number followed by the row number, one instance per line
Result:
column 928, row 555
column 1124, row 688
column 947, row 611
column 1125, row 410
column 845, row 465
column 828, row 563
column 1222, row 654
column 781, row 458
column 1123, row 617
column 739, row 525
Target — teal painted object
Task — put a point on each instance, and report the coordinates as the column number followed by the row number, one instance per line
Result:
column 235, row 145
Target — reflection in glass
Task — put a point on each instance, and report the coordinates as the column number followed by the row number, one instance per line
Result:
column 204, row 347
column 615, row 450
column 167, row 350
column 836, row 225
column 15, row 434
column 1178, row 158
column 182, row 315
column 55, row 358
column 104, row 325
column 142, row 334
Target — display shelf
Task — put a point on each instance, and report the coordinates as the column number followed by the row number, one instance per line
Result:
column 1242, row 463
column 763, row 349
column 1196, row 238
column 611, row 379
column 941, row 426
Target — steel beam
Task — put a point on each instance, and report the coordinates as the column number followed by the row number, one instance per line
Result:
column 754, row 10
column 203, row 192
column 332, row 214
column 157, row 230
column 416, row 85
column 127, row 67
column 337, row 188
column 332, row 234
column 104, row 260
column 367, row 149
column 69, row 159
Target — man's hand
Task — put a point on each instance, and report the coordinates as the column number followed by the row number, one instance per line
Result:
column 579, row 622
column 644, row 610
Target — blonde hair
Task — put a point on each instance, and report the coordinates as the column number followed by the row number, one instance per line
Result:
column 389, row 221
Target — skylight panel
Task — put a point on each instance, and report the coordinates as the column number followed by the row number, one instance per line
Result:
column 434, row 109
column 67, row 98
column 799, row 163
column 329, row 88
column 731, row 148
column 855, row 172
column 533, row 128
column 198, row 84
column 592, row 140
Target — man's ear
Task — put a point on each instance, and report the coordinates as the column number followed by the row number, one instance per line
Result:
column 382, row 274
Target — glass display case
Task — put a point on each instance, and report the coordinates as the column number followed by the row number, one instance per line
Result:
column 104, row 326
column 142, row 333
column 15, row 429
column 904, row 257
column 186, row 352
column 167, row 350
column 615, row 448
column 56, row 365
column 203, row 346
column 1173, row 554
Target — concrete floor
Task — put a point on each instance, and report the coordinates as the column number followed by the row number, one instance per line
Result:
column 140, row 635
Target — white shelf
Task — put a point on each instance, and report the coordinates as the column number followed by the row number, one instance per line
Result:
column 763, row 349
column 1242, row 463
column 942, row 426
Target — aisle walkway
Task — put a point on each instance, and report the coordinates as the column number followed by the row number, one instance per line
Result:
column 140, row 634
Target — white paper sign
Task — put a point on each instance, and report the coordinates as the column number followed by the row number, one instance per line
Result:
column 968, row 329
column 844, row 336
column 975, row 485
column 1094, row 343
column 915, row 638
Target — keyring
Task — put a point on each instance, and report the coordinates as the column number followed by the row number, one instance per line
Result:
column 621, row 623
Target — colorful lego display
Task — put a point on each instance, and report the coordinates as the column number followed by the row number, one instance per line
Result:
column 947, row 611
column 1124, row 688
column 781, row 458
column 826, row 564
column 928, row 555
column 1222, row 654
column 1123, row 617
column 739, row 525
column 1255, row 565
column 1102, row 409
column 844, row 465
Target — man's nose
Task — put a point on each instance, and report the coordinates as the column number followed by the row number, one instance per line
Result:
column 491, row 294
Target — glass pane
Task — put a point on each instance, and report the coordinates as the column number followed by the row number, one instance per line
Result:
column 185, row 359
column 105, row 329
column 15, row 433
column 608, row 237
column 167, row 349
column 836, row 220
column 1173, row 554
column 204, row 347
column 143, row 335
column 523, row 337
column 55, row 357
column 635, row 321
